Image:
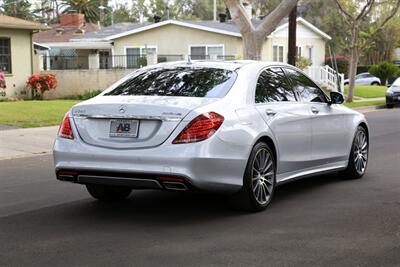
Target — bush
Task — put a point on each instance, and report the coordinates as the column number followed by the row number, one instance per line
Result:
column 384, row 71
column 342, row 64
column 84, row 96
column 363, row 68
column 40, row 83
column 303, row 63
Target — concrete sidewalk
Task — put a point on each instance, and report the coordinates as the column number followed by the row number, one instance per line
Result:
column 16, row 143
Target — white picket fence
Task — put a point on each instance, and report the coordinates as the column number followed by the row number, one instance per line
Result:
column 327, row 77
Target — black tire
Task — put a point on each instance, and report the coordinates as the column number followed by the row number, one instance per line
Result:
column 108, row 193
column 351, row 171
column 246, row 199
column 389, row 105
column 375, row 83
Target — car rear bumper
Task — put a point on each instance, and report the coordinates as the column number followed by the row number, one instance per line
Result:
column 211, row 165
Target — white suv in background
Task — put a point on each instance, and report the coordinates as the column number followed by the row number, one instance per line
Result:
column 365, row 79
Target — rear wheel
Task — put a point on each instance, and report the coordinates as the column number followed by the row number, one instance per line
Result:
column 259, row 180
column 108, row 193
column 375, row 83
column 389, row 105
column 358, row 158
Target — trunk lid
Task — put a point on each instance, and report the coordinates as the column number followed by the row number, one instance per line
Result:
column 155, row 116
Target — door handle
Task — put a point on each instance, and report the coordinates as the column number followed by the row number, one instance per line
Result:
column 270, row 112
column 314, row 110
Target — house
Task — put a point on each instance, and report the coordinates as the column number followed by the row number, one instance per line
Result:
column 16, row 53
column 197, row 39
column 57, row 40
column 396, row 56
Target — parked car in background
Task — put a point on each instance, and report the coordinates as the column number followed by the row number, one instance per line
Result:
column 393, row 94
column 365, row 78
column 238, row 128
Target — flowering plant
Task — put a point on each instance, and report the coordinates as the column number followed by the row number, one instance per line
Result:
column 40, row 83
column 2, row 81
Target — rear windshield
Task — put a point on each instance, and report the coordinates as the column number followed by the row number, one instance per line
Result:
column 181, row 81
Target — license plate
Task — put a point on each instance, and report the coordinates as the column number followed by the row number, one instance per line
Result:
column 124, row 128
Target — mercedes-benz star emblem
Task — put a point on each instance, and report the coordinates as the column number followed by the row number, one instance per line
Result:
column 122, row 109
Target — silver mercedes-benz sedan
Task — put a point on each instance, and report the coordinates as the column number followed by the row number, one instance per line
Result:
column 239, row 128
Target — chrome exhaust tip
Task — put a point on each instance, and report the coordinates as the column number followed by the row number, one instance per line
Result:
column 177, row 186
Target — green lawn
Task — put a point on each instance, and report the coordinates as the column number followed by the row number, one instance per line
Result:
column 27, row 114
column 365, row 103
column 368, row 91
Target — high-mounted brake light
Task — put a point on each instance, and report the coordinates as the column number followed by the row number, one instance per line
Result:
column 200, row 128
column 65, row 130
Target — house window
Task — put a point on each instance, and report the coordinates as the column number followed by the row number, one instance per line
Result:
column 278, row 53
column 5, row 55
column 310, row 53
column 206, row 51
column 298, row 51
column 135, row 56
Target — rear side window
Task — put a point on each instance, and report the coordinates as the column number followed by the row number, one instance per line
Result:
column 273, row 86
column 305, row 87
column 181, row 81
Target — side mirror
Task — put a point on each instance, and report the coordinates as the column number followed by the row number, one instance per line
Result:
column 336, row 98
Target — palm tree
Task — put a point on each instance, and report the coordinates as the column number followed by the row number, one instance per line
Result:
column 90, row 8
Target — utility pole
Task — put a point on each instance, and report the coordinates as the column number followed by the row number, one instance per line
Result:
column 215, row 9
column 292, row 37
column 101, row 13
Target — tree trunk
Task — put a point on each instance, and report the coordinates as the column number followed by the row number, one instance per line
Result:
column 253, row 39
column 292, row 51
column 353, row 62
column 252, row 46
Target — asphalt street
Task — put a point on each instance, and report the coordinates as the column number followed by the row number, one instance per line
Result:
column 320, row 221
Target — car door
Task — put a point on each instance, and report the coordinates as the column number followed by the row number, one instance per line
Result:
column 362, row 79
column 289, row 120
column 328, row 142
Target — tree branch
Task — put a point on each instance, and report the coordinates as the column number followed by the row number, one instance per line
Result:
column 386, row 20
column 366, row 9
column 239, row 16
column 346, row 15
column 270, row 22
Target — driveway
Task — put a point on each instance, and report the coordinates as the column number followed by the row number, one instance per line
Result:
column 320, row 221
column 15, row 143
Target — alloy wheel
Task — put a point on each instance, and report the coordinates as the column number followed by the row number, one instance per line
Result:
column 360, row 152
column 263, row 175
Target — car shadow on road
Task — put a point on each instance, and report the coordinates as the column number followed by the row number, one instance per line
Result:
column 160, row 208
column 163, row 208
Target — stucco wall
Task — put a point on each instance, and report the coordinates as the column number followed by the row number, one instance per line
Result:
column 306, row 39
column 21, row 62
column 173, row 40
column 75, row 82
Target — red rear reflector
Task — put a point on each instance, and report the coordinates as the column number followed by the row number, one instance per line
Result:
column 65, row 130
column 68, row 172
column 200, row 128
column 171, row 179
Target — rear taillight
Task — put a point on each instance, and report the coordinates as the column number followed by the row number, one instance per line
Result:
column 65, row 130
column 200, row 128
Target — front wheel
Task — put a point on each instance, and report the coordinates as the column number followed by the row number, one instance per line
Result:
column 258, row 181
column 358, row 158
column 389, row 105
column 375, row 83
column 108, row 193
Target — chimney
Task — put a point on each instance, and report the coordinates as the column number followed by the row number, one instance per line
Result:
column 72, row 19
column 249, row 9
column 222, row 17
column 157, row 19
